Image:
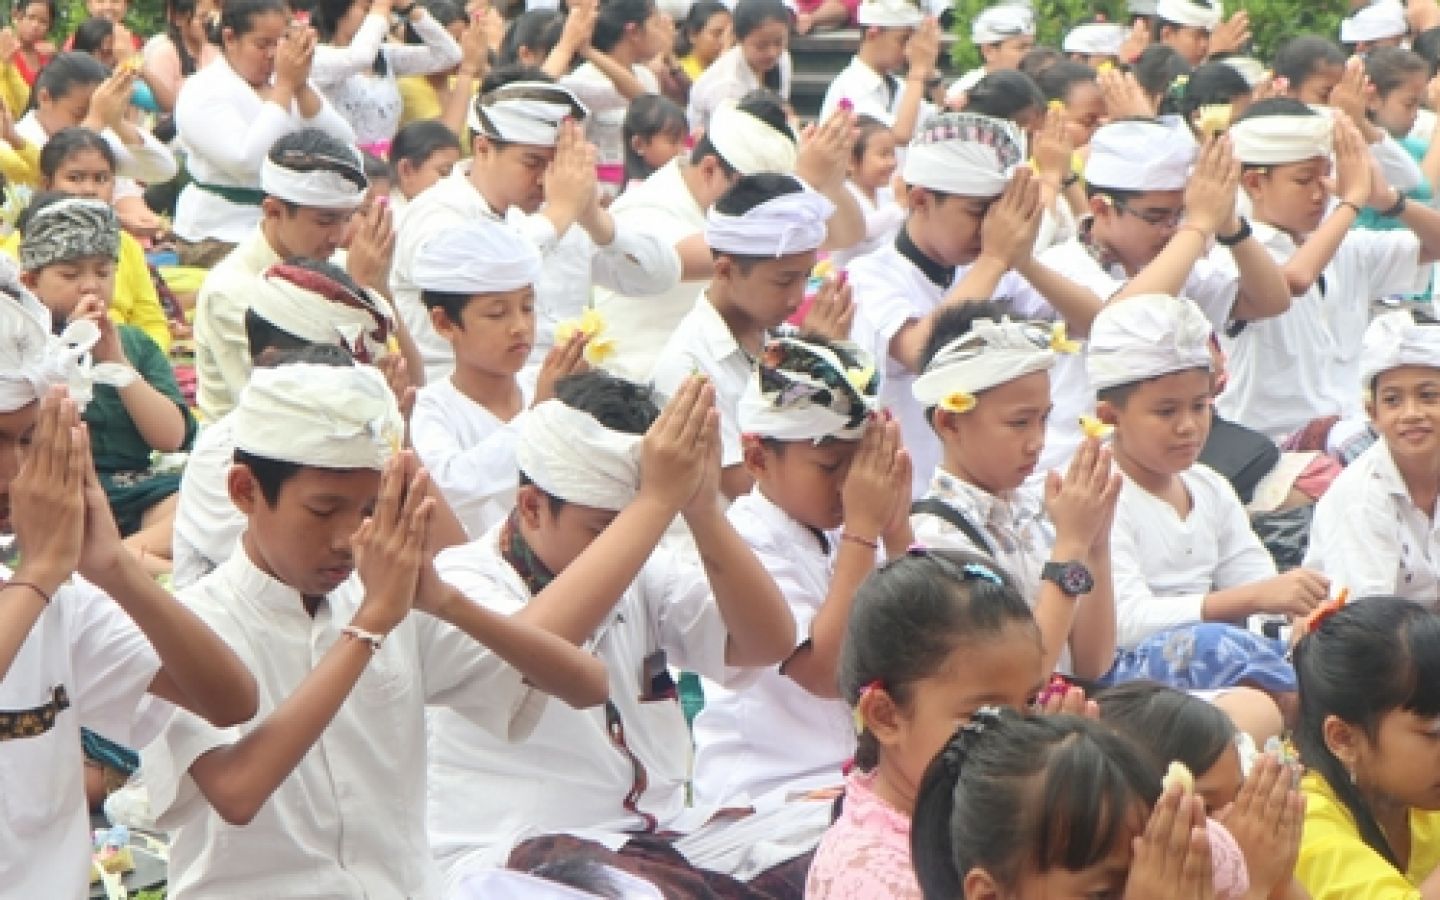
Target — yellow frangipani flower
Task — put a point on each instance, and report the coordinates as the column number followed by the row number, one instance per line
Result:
column 598, row 346
column 958, row 402
column 1215, row 118
column 1060, row 341
column 1094, row 428
column 860, row 377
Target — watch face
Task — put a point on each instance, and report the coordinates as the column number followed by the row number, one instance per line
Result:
column 1075, row 580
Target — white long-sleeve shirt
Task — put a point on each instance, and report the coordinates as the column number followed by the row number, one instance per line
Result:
column 149, row 161
column 729, row 77
column 227, row 129
column 370, row 102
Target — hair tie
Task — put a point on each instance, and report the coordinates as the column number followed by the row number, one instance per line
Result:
column 983, row 573
column 1317, row 617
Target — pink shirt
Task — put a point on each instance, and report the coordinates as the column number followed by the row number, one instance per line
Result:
column 866, row 853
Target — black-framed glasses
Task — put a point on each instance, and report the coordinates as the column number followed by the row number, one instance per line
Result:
column 1155, row 218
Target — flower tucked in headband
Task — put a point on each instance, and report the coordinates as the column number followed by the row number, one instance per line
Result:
column 809, row 390
column 958, row 402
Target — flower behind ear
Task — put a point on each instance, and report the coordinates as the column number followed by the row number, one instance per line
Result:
column 958, row 402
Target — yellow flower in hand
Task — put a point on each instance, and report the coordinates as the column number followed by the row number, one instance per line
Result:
column 1060, row 341
column 1094, row 428
column 598, row 346
column 860, row 377
column 958, row 402
column 1215, row 118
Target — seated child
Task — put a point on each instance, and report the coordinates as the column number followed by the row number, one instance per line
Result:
column 317, row 601
column 821, row 462
column 85, row 659
column 478, row 281
column 1374, row 530
column 764, row 234
column 294, row 305
column 932, row 637
column 986, row 388
column 68, row 251
column 654, row 132
column 1189, row 571
column 873, row 163
column 1368, row 704
column 1031, row 806
column 601, row 478
column 421, row 154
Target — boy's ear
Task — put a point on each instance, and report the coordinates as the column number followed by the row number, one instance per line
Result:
column 754, row 455
column 946, row 424
column 440, row 321
column 27, row 278
column 244, row 489
column 724, row 268
column 1100, row 205
column 1106, row 412
column 1250, row 180
column 529, row 500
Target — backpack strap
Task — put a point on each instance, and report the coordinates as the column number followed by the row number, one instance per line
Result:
column 931, row 506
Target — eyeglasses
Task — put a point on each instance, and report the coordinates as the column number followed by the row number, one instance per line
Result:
column 1155, row 218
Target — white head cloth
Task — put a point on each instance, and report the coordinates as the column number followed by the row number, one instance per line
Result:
column 802, row 391
column 1376, row 22
column 1393, row 340
column 32, row 360
column 1141, row 156
column 1145, row 337
column 1141, row 7
column 789, row 223
column 1250, row 68
column 998, row 23
column 888, row 14
column 965, row 154
column 317, row 189
column 1278, row 140
column 525, row 112
column 988, row 355
column 568, row 454
column 1096, row 39
column 483, row 256
column 749, row 144
column 1194, row 13
column 318, row 309
column 330, row 417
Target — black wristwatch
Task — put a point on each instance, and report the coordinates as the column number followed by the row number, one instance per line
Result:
column 403, row 11
column 1397, row 209
column 1071, row 577
column 1230, row 240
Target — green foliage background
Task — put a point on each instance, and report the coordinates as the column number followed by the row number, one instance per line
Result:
column 145, row 17
column 1271, row 21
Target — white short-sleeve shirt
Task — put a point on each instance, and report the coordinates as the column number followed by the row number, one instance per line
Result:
column 704, row 343
column 207, row 524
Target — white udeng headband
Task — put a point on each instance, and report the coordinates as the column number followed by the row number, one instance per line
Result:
column 311, row 316
column 749, row 144
column 1144, row 337
column 32, row 360
column 568, row 454
column 330, row 417
column 1394, row 340
column 319, row 189
column 1205, row 14
column 1278, row 140
column 525, row 112
column 480, row 257
column 988, row 355
column 789, row 223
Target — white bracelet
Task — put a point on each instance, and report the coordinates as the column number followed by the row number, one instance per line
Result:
column 369, row 637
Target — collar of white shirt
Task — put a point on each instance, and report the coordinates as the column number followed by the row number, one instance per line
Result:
column 789, row 529
column 714, row 333
column 264, row 593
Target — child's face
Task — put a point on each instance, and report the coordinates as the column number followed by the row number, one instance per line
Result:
column 1291, row 197
column 495, row 331
column 997, row 444
column 32, row 23
column 1391, row 765
column 114, row 10
column 659, row 149
column 304, row 539
column 878, row 163
column 1003, row 669
column 65, row 111
column 889, row 46
column 1189, row 41
column 1164, row 423
column 1396, row 111
column 772, row 290
column 710, row 41
column 1406, row 412
column 85, row 173
column 1315, row 88
column 16, row 429
column 804, row 479
column 764, row 46
column 1138, row 228
column 1220, row 784
column 62, row 286
column 1084, row 112
column 414, row 179
column 559, row 537
column 1008, row 53
column 949, row 227
column 656, row 34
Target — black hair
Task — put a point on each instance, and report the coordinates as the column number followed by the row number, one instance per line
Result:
column 374, row 167
column 1056, row 81
column 239, row 16
column 453, row 303
column 1389, row 67
column 1427, row 45
column 262, row 335
column 649, row 115
column 1212, row 84
column 65, row 72
column 909, row 615
column 749, row 15
column 271, row 474
column 90, row 35
column 315, row 150
column 1375, row 655
column 1039, row 59
column 1299, row 58
column 1158, row 68
column 748, row 192
column 866, row 127
column 591, row 876
column 67, row 142
column 325, row 16
column 416, row 142
column 1171, row 725
column 1012, row 793
column 446, row 12
column 180, row 9
column 499, row 76
column 954, row 320
column 537, row 30
column 1004, row 95
column 616, row 403
column 614, row 15
column 696, row 19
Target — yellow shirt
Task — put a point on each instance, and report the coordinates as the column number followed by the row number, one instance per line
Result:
column 418, row 99
column 1336, row 863
column 20, row 167
column 135, row 301
column 13, row 90
column 692, row 66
